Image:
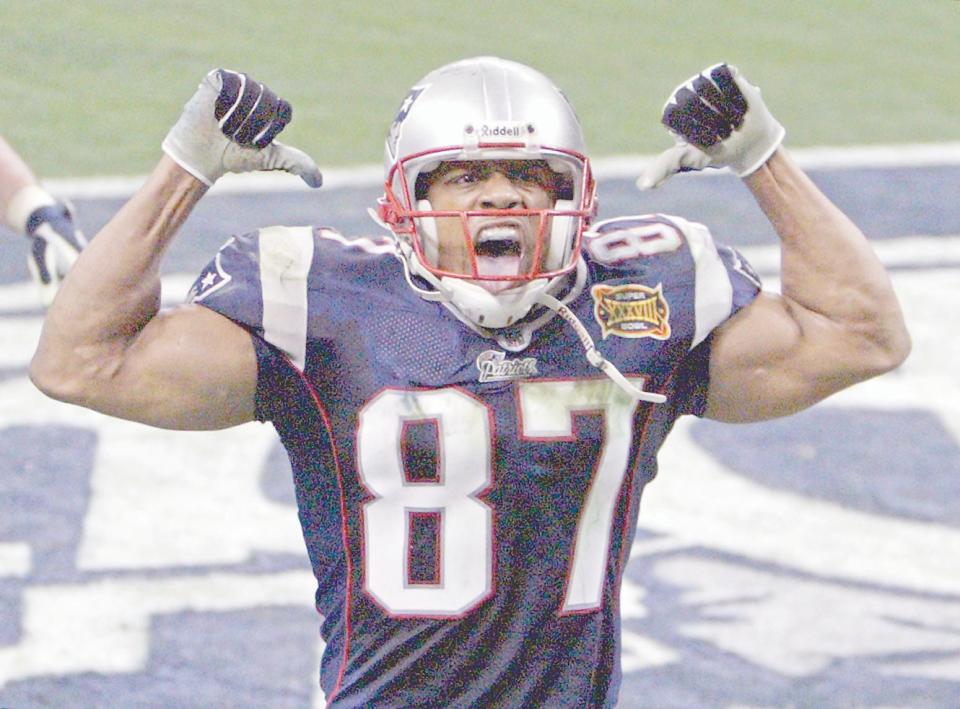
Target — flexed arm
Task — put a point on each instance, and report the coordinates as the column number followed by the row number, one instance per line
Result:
column 105, row 345
column 838, row 321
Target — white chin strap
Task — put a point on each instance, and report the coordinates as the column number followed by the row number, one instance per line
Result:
column 478, row 305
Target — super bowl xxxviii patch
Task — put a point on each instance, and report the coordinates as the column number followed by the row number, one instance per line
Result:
column 631, row 310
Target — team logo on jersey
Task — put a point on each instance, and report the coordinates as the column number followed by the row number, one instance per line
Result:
column 211, row 280
column 495, row 367
column 631, row 310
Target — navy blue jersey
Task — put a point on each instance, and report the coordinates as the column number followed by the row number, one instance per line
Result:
column 467, row 509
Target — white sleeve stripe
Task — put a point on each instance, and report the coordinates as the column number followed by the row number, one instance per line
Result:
column 713, row 292
column 383, row 245
column 285, row 257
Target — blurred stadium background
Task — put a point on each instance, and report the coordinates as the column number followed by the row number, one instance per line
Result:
column 90, row 88
column 811, row 561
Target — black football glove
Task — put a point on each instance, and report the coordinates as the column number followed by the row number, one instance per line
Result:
column 229, row 125
column 718, row 119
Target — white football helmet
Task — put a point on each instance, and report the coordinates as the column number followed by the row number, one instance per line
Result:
column 487, row 108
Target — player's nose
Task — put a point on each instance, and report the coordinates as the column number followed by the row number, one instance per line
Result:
column 499, row 192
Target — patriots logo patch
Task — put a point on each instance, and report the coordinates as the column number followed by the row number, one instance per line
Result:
column 631, row 310
column 495, row 367
column 212, row 279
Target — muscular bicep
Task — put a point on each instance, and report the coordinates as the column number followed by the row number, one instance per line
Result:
column 189, row 368
column 774, row 358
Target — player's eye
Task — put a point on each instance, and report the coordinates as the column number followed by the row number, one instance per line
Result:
column 464, row 176
column 530, row 173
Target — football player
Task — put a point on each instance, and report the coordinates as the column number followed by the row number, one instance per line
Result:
column 473, row 402
column 29, row 209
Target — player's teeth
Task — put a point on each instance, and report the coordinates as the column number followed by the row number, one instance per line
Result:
column 499, row 233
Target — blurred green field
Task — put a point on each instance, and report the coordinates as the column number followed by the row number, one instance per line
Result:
column 89, row 88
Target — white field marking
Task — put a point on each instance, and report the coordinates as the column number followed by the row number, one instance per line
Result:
column 161, row 498
column 169, row 499
column 20, row 296
column 612, row 167
column 639, row 652
column 799, row 627
column 945, row 669
column 105, row 626
column 917, row 251
column 657, row 545
column 734, row 514
column 16, row 560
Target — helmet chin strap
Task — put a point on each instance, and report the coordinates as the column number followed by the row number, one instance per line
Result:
column 593, row 354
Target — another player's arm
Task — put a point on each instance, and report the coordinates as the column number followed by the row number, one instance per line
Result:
column 105, row 344
column 837, row 322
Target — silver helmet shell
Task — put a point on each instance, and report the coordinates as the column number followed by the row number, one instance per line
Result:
column 486, row 108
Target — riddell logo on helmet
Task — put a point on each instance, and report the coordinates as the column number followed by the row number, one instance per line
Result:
column 505, row 130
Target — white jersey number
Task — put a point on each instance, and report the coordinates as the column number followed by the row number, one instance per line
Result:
column 637, row 239
column 464, row 427
column 465, row 434
column 547, row 410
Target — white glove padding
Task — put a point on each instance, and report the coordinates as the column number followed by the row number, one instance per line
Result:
column 229, row 125
column 57, row 243
column 719, row 119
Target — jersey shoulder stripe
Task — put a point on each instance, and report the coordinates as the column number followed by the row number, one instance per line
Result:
column 286, row 255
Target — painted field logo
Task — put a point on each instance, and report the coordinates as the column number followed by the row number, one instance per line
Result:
column 631, row 310
column 495, row 367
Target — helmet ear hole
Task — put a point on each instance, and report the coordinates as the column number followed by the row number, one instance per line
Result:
column 427, row 229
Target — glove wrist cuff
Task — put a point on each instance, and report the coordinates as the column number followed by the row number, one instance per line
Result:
column 24, row 203
column 755, row 161
column 171, row 150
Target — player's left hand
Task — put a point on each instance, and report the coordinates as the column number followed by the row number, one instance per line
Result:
column 229, row 125
column 56, row 244
column 719, row 119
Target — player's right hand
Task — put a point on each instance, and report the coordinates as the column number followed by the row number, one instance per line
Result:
column 229, row 125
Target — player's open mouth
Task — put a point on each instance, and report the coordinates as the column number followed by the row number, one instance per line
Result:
column 499, row 250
